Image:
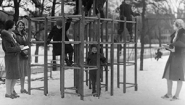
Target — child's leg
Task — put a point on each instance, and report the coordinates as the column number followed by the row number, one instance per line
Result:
column 88, row 6
column 93, row 80
column 129, row 28
column 121, row 27
column 67, row 60
column 70, row 57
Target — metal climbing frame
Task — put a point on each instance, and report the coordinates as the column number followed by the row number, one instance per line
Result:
column 82, row 27
column 45, row 87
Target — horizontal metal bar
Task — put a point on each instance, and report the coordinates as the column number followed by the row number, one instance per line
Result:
column 71, row 67
column 72, row 93
column 91, row 42
column 72, row 88
column 87, row 69
column 37, row 64
column 87, row 95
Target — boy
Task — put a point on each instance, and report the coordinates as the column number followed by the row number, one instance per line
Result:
column 126, row 11
column 88, row 4
column 92, row 61
column 56, row 35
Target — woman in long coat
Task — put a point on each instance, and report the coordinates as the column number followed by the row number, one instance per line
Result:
column 22, row 39
column 12, row 51
column 175, row 66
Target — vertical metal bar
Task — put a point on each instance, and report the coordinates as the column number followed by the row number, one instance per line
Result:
column 29, row 58
column 86, row 50
column 136, row 33
column 74, row 34
column 101, row 49
column 124, row 60
column 106, row 33
column 81, row 60
column 98, row 58
column 118, row 64
column 45, row 59
column 62, row 81
column 112, row 58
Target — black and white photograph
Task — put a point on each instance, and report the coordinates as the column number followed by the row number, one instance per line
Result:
column 92, row 52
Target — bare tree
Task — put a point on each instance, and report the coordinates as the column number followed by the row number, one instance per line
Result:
column 142, row 34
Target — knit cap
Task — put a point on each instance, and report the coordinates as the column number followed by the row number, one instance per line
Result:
column 59, row 22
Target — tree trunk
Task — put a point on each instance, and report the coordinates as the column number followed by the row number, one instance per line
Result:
column 159, row 36
column 1, row 2
column 142, row 36
column 16, row 6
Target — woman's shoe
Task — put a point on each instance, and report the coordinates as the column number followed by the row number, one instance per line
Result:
column 166, row 96
column 24, row 91
column 9, row 96
column 15, row 94
column 174, row 98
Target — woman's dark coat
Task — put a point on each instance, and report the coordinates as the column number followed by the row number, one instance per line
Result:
column 56, row 35
column 12, row 51
column 176, row 60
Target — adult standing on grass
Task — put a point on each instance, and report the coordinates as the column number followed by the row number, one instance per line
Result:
column 12, row 50
column 22, row 39
column 175, row 66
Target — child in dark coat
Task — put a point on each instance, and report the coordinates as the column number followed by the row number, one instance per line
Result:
column 88, row 4
column 56, row 35
column 92, row 61
column 126, row 11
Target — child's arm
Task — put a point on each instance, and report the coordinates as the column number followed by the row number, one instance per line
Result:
column 68, row 23
column 121, row 11
column 103, row 59
column 88, row 60
column 50, row 35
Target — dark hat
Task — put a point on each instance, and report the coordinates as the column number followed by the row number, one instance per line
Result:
column 59, row 22
column 93, row 45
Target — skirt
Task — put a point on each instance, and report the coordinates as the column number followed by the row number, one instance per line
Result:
column 12, row 66
column 23, row 67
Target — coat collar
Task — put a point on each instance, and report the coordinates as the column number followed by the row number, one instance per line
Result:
column 180, row 32
column 5, row 35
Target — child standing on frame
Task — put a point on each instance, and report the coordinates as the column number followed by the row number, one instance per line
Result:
column 92, row 61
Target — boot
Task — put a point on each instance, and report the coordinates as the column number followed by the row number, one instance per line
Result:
column 68, row 62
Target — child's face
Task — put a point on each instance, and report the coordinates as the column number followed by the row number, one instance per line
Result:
column 94, row 50
column 59, row 27
column 127, row 1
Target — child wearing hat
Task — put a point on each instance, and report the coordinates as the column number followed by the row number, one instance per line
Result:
column 92, row 61
column 56, row 35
